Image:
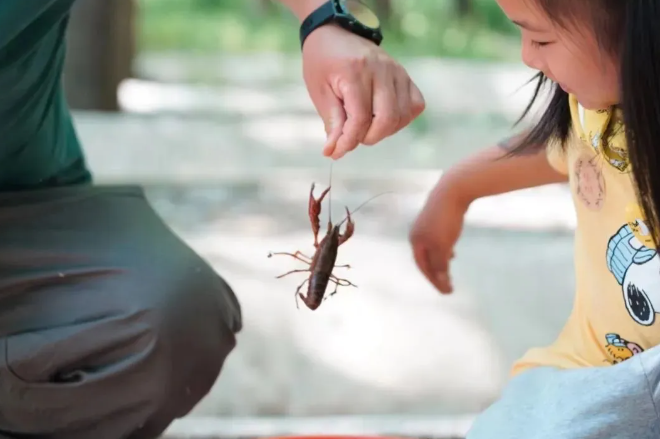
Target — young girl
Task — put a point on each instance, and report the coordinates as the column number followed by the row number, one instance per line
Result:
column 601, row 134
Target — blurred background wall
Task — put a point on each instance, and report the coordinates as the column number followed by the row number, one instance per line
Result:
column 202, row 102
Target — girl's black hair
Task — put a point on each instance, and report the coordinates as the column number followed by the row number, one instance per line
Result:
column 628, row 30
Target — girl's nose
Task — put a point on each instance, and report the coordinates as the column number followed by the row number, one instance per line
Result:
column 531, row 57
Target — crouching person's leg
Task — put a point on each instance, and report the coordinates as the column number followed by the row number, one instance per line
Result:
column 110, row 327
column 590, row 403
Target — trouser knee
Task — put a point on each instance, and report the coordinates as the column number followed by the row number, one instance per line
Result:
column 143, row 358
column 199, row 328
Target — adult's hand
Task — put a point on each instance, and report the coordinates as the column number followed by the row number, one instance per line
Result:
column 360, row 92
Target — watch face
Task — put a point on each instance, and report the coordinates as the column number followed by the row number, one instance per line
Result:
column 361, row 13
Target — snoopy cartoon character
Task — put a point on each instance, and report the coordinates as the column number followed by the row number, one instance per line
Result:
column 636, row 268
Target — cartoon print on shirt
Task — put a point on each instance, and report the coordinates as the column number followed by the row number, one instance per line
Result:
column 636, row 268
column 589, row 182
column 620, row 349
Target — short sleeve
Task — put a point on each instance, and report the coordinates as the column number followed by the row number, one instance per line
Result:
column 556, row 154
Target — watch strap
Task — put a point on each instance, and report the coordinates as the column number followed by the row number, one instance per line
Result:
column 324, row 14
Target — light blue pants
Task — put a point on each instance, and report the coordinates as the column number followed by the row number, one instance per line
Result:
column 621, row 402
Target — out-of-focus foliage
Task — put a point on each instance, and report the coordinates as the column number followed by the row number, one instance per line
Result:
column 450, row 28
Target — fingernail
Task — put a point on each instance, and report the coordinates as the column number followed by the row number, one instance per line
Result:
column 337, row 155
column 330, row 127
column 442, row 277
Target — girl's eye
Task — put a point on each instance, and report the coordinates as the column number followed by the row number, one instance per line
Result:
column 540, row 43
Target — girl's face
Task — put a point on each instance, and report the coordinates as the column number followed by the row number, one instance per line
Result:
column 570, row 57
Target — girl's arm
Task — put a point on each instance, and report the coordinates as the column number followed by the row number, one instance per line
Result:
column 489, row 172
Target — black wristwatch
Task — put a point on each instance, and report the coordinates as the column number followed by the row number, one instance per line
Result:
column 352, row 15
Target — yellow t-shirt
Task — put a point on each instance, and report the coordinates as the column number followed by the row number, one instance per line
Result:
column 617, row 269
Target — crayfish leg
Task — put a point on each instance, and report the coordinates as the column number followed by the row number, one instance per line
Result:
column 297, row 255
column 299, row 294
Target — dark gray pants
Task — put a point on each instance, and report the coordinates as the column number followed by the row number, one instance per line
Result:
column 110, row 326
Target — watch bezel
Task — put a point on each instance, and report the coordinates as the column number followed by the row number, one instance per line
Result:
column 343, row 11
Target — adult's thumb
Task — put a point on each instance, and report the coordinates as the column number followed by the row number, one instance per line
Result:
column 334, row 118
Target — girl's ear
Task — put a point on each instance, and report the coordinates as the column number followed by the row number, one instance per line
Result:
column 640, row 97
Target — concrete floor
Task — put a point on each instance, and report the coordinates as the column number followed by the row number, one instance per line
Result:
column 392, row 346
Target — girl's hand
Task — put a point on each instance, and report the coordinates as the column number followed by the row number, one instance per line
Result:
column 435, row 233
column 483, row 174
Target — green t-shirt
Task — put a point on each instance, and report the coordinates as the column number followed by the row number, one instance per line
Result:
column 38, row 144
